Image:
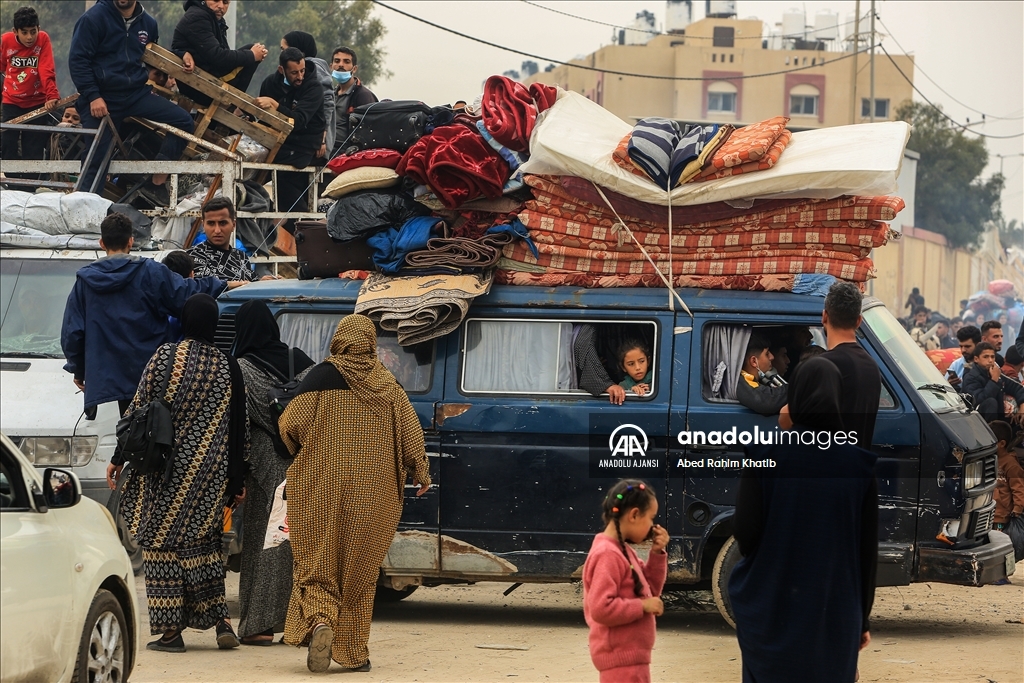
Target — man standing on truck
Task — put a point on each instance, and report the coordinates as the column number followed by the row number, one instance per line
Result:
column 351, row 93
column 862, row 383
column 116, row 315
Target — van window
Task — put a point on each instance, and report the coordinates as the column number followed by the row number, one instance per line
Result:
column 917, row 367
column 537, row 357
column 32, row 299
column 312, row 332
column 723, row 346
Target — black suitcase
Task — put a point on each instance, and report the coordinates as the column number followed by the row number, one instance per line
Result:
column 319, row 255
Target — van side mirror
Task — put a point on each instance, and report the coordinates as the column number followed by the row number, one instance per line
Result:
column 61, row 489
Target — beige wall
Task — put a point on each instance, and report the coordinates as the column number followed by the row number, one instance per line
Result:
column 690, row 56
column 945, row 276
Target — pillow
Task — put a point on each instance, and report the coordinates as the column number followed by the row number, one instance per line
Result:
column 363, row 178
column 384, row 158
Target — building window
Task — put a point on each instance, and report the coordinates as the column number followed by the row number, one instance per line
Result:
column 803, row 100
column 881, row 108
column 722, row 97
column 723, row 36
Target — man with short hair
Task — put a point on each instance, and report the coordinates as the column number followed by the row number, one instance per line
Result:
column 116, row 315
column 989, row 388
column 968, row 337
column 780, row 358
column 106, row 66
column 350, row 93
column 1013, row 365
column 753, row 390
column 862, row 382
column 216, row 256
column 992, row 333
column 289, row 92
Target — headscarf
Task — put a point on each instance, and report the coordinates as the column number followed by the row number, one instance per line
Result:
column 354, row 354
column 199, row 322
column 199, row 318
column 814, row 395
column 302, row 40
column 258, row 335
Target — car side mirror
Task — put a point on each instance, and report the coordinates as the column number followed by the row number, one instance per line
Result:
column 61, row 489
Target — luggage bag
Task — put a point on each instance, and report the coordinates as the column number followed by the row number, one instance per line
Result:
column 319, row 255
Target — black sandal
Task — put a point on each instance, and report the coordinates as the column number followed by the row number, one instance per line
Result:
column 226, row 638
column 264, row 639
column 162, row 644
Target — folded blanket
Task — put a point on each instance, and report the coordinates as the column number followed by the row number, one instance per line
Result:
column 696, row 165
column 543, row 95
column 382, row 158
column 508, row 112
column 749, row 143
column 596, row 252
column 420, row 308
column 460, row 252
column 766, row 161
column 457, row 164
column 663, row 148
column 858, row 271
column 391, row 246
column 798, row 284
column 621, row 158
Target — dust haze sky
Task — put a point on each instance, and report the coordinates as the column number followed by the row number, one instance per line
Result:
column 973, row 50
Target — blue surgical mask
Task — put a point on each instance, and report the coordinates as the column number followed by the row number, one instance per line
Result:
column 341, row 77
column 286, row 83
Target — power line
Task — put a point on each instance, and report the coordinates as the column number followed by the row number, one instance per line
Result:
column 608, row 71
column 659, row 33
column 939, row 109
column 941, row 89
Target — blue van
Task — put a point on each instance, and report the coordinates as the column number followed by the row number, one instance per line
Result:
column 520, row 457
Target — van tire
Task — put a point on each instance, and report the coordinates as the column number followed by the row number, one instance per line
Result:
column 388, row 594
column 127, row 541
column 725, row 562
column 104, row 638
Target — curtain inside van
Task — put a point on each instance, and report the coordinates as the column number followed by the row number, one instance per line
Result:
column 723, row 359
column 518, row 356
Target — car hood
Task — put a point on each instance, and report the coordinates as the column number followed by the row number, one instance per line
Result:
column 39, row 398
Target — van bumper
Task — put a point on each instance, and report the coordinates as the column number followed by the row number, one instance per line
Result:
column 96, row 489
column 978, row 566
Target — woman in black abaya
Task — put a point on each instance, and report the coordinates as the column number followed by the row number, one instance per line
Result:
column 808, row 533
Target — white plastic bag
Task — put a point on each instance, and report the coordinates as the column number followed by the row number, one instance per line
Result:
column 277, row 527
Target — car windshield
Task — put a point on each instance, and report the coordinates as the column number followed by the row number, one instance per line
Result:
column 32, row 298
column 917, row 367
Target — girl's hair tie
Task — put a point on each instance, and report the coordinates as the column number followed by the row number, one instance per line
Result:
column 615, row 509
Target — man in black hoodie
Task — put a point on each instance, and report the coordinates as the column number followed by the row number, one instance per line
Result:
column 106, row 66
column 989, row 388
column 293, row 94
column 203, row 35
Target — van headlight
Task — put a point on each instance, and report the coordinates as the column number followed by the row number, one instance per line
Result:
column 48, row 451
column 82, row 449
column 973, row 474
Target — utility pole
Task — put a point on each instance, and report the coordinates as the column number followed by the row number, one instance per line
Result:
column 872, row 103
column 853, row 76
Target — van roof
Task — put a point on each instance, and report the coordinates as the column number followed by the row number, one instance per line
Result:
column 340, row 291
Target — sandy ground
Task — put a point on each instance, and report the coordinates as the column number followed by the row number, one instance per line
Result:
column 924, row 632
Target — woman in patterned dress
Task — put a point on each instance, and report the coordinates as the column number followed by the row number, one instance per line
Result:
column 355, row 437
column 179, row 521
column 265, row 582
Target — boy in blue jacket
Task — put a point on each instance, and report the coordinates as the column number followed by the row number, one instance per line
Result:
column 106, row 65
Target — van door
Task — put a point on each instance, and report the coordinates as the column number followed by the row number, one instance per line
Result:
column 525, row 457
column 420, row 371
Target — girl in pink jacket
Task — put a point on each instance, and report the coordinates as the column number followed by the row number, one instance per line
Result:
column 620, row 591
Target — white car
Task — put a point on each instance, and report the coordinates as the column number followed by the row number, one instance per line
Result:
column 68, row 610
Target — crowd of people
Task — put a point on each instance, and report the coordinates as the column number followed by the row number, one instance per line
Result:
column 105, row 62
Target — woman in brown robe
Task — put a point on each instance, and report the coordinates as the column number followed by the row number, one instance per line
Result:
column 355, row 437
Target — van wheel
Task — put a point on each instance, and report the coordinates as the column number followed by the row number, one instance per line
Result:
column 102, row 650
column 387, row 594
column 133, row 549
column 727, row 558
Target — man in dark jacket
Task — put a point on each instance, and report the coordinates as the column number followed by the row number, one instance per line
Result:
column 754, row 389
column 988, row 386
column 116, row 315
column 203, row 34
column 291, row 93
column 106, row 65
column 350, row 93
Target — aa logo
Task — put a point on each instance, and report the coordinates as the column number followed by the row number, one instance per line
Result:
column 628, row 441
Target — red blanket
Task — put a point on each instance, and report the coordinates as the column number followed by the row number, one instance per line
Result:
column 457, row 164
column 509, row 112
column 383, row 158
column 762, row 163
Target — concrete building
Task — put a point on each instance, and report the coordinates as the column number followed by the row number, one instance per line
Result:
column 720, row 51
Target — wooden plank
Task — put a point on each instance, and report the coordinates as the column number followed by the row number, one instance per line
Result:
column 211, row 86
column 36, row 113
column 200, row 128
column 259, row 132
column 156, row 125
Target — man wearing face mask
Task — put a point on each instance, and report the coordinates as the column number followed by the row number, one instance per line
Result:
column 349, row 94
column 291, row 93
column 753, row 390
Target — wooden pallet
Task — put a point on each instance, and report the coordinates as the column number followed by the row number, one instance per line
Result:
column 270, row 128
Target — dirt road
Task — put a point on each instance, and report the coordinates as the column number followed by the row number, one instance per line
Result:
column 924, row 632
